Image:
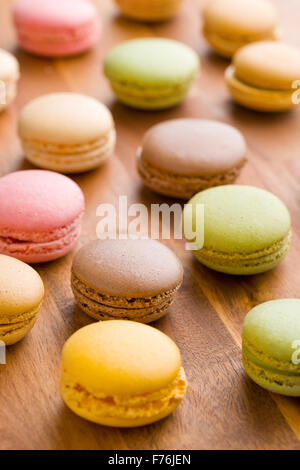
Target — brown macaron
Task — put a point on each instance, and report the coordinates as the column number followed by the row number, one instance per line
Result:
column 181, row 157
column 126, row 279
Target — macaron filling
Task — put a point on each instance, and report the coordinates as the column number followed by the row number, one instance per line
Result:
column 264, row 361
column 185, row 184
column 38, row 244
column 260, row 98
column 70, row 158
column 63, row 36
column 102, row 306
column 246, row 260
column 123, row 407
column 280, row 381
column 12, row 328
column 135, row 95
column 232, row 77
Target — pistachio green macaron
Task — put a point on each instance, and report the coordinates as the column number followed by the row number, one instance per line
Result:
column 271, row 346
column 247, row 230
column 151, row 73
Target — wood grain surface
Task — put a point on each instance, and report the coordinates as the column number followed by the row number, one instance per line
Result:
column 223, row 409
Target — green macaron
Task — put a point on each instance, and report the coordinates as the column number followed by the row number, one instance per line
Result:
column 151, row 73
column 247, row 230
column 271, row 346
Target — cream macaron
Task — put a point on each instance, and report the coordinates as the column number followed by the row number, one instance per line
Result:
column 21, row 296
column 231, row 24
column 9, row 76
column 66, row 132
column 122, row 374
column 263, row 76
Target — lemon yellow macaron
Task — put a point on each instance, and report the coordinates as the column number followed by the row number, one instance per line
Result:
column 231, row 24
column 21, row 296
column 263, row 76
column 122, row 374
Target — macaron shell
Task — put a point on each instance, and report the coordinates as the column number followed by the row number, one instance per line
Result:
column 273, row 382
column 9, row 67
column 239, row 264
column 273, row 327
column 128, row 268
column 268, row 65
column 193, row 147
column 271, row 336
column 9, row 75
column 226, row 47
column 103, row 307
column 126, row 417
column 182, row 186
column 149, row 10
column 258, row 99
column 21, row 289
column 56, row 28
column 151, row 73
column 242, row 219
column 241, row 19
column 172, row 63
column 13, row 333
column 121, row 358
column 36, row 202
column 41, row 251
column 68, row 119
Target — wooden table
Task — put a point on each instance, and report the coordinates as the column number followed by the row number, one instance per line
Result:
column 223, row 408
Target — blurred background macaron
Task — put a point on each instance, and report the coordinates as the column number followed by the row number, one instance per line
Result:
column 58, row 28
column 40, row 215
column 263, row 76
column 126, row 279
column 149, row 10
column 21, row 296
column 66, row 132
column 247, row 230
column 151, row 73
column 181, row 157
column 271, row 346
column 229, row 25
column 121, row 374
column 9, row 76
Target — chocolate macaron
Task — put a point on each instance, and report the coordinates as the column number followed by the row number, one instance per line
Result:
column 181, row 157
column 126, row 279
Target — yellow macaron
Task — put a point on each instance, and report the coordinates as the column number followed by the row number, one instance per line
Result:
column 231, row 24
column 121, row 373
column 21, row 295
column 262, row 76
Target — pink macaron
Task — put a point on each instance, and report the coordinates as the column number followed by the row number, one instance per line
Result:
column 56, row 28
column 40, row 215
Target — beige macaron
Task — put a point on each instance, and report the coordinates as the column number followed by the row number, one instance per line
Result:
column 67, row 132
column 126, row 279
column 21, row 296
column 263, row 76
column 181, row 157
column 9, row 76
column 231, row 24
